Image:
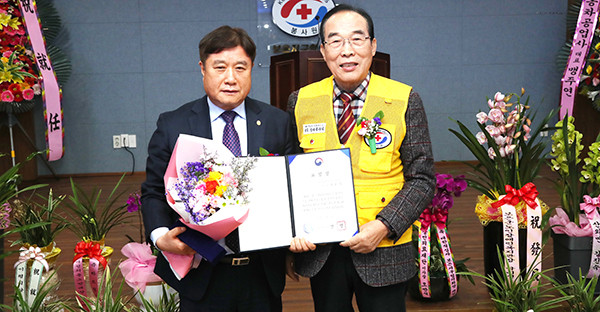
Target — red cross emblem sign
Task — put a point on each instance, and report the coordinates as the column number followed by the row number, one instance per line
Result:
column 300, row 18
column 383, row 138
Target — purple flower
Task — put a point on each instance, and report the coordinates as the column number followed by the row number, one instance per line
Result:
column 133, row 202
column 447, row 186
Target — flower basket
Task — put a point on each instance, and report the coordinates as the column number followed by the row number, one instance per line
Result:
column 576, row 225
column 490, row 216
column 437, row 277
column 43, row 258
column 91, row 259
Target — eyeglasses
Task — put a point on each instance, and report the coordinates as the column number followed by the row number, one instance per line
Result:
column 338, row 42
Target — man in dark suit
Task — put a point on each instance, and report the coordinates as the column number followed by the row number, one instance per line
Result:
column 393, row 180
column 239, row 282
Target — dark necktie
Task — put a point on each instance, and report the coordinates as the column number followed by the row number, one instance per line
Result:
column 346, row 123
column 232, row 141
column 230, row 137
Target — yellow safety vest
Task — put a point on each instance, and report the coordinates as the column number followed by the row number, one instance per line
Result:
column 377, row 177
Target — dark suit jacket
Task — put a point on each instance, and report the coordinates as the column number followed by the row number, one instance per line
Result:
column 267, row 127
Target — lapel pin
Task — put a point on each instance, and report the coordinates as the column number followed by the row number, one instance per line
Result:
column 258, row 123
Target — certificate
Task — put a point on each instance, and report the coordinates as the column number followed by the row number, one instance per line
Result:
column 306, row 195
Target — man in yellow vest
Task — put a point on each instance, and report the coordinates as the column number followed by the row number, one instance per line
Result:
column 393, row 172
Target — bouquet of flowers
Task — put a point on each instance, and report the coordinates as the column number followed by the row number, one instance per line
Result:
column 576, row 180
column 207, row 186
column 509, row 151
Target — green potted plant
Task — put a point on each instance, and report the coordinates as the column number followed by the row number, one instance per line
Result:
column 44, row 301
column 509, row 154
column 571, row 229
column 30, row 211
column 96, row 217
column 38, row 209
column 107, row 299
column 93, row 218
column 580, row 292
column 531, row 291
column 436, row 276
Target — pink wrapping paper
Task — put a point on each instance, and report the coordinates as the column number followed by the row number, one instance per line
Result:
column 562, row 225
column 190, row 148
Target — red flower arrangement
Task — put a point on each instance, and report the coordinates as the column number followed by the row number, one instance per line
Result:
column 19, row 77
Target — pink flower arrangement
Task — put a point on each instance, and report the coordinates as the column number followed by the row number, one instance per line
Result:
column 508, row 150
column 504, row 127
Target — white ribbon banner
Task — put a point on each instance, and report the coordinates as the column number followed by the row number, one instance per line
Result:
column 511, row 239
column 38, row 265
column 51, row 93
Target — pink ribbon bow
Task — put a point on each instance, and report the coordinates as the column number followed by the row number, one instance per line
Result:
column 589, row 206
column 34, row 253
column 138, row 269
column 528, row 193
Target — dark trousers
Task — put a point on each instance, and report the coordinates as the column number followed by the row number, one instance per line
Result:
column 235, row 289
column 332, row 288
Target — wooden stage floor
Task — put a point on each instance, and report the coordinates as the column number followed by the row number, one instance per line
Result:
column 465, row 232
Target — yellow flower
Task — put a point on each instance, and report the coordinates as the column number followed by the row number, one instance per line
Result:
column 5, row 76
column 220, row 190
column 14, row 23
column 4, row 20
column 588, row 69
column 4, row 59
column 214, row 176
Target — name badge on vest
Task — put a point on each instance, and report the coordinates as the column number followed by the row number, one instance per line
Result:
column 314, row 128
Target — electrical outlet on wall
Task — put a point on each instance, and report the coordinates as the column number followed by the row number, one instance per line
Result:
column 125, row 140
column 117, row 141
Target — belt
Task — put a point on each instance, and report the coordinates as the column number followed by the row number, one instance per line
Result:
column 237, row 260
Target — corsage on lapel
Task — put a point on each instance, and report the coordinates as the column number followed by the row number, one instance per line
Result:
column 369, row 128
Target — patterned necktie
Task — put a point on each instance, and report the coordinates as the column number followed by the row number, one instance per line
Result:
column 230, row 137
column 232, row 141
column 346, row 122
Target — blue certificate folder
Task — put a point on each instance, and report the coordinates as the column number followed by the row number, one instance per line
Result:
column 307, row 195
column 201, row 243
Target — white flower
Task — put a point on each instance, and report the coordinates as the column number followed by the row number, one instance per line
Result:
column 499, row 97
column 500, row 140
column 491, row 153
column 481, row 138
column 481, row 117
column 510, row 149
column 496, row 115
